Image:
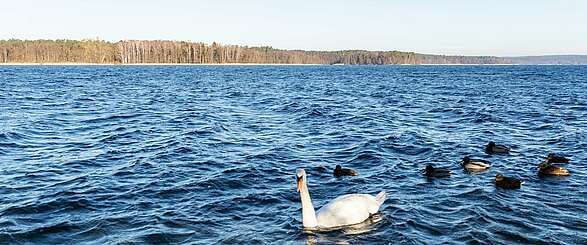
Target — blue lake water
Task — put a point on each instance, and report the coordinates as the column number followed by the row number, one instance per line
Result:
column 207, row 154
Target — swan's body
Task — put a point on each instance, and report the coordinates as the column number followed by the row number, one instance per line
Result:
column 344, row 210
column 474, row 165
column 347, row 210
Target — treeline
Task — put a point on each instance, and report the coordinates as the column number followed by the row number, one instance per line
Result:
column 551, row 59
column 57, row 51
column 444, row 59
column 179, row 52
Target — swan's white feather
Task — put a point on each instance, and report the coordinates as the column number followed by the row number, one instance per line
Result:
column 347, row 210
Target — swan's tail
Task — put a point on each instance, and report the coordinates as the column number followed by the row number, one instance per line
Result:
column 381, row 197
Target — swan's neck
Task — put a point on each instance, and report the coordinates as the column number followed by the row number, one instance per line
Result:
column 308, row 214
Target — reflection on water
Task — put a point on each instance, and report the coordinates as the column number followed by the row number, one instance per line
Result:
column 338, row 235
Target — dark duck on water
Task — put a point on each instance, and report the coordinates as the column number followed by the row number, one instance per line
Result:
column 552, row 158
column 492, row 148
column 339, row 171
column 547, row 169
column 431, row 171
column 507, row 182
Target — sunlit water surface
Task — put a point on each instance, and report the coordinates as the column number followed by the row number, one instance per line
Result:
column 207, row 154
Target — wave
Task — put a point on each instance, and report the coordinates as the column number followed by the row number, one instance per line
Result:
column 205, row 154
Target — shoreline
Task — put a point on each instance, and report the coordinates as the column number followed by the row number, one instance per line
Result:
column 151, row 64
column 249, row 64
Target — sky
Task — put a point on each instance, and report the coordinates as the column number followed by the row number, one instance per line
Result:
column 452, row 27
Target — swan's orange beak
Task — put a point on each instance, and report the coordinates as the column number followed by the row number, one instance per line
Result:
column 299, row 184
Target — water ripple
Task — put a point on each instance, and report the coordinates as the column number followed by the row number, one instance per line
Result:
column 206, row 154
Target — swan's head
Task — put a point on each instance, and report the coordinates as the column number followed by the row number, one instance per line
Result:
column 301, row 178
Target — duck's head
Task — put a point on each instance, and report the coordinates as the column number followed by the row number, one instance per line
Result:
column 466, row 160
column 489, row 147
column 338, row 168
column 429, row 169
column 499, row 177
column 300, row 178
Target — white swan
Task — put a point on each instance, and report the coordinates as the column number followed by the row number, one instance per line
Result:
column 344, row 210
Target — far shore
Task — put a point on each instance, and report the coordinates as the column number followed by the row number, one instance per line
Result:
column 148, row 64
column 241, row 64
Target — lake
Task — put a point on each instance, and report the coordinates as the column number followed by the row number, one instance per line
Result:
column 208, row 154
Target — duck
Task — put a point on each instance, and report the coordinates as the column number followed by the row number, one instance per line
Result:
column 344, row 210
column 474, row 165
column 552, row 158
column 547, row 169
column 339, row 171
column 431, row 171
column 507, row 182
column 492, row 148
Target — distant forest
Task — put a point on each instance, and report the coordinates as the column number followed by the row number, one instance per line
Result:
column 551, row 59
column 180, row 52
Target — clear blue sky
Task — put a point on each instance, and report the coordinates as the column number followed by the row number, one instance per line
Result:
column 467, row 27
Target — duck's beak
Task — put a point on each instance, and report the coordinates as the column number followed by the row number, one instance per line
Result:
column 299, row 184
